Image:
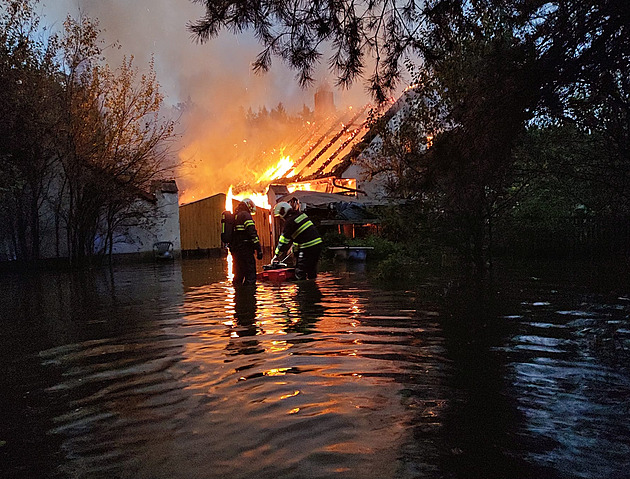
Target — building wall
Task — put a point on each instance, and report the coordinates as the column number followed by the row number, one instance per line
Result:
column 200, row 224
column 374, row 188
column 324, row 103
column 155, row 221
column 264, row 228
column 161, row 224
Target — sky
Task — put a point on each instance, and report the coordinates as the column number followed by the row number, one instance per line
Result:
column 186, row 68
column 216, row 77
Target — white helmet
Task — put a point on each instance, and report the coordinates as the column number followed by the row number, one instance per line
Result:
column 281, row 209
column 250, row 205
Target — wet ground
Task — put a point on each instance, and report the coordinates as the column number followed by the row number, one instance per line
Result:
column 165, row 371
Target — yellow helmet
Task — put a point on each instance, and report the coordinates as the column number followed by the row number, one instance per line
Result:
column 282, row 209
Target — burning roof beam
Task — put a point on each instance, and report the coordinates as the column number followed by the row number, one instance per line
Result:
column 328, row 145
column 341, row 148
column 300, row 142
column 337, row 145
column 299, row 163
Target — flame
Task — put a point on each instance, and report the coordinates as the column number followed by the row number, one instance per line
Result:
column 260, row 199
column 299, row 187
column 228, row 199
column 276, row 171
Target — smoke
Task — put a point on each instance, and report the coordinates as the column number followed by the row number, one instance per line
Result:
column 214, row 80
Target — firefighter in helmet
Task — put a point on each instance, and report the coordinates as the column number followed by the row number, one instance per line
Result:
column 300, row 230
column 295, row 203
column 245, row 244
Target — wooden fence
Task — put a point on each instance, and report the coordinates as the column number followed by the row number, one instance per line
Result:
column 263, row 226
column 200, row 225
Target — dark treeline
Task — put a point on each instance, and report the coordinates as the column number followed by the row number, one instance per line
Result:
column 79, row 141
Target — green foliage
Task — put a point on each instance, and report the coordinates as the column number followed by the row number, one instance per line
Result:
column 383, row 248
column 397, row 268
column 568, row 185
column 333, row 238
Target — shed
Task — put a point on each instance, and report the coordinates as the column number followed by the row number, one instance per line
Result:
column 200, row 226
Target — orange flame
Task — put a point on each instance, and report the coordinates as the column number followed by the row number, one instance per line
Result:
column 272, row 173
column 276, row 171
column 259, row 199
column 228, row 199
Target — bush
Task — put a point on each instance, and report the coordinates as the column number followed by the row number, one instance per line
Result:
column 382, row 247
column 397, row 267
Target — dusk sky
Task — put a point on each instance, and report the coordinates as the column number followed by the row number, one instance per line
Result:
column 208, row 73
column 216, row 77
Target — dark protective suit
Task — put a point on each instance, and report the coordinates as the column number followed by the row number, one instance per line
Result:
column 301, row 231
column 245, row 244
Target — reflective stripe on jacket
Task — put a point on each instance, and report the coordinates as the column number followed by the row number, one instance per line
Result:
column 245, row 231
column 298, row 229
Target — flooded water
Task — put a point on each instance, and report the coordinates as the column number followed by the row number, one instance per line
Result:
column 165, row 371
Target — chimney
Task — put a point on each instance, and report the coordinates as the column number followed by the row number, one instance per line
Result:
column 276, row 191
column 324, row 101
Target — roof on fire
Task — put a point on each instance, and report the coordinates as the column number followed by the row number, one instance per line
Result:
column 333, row 143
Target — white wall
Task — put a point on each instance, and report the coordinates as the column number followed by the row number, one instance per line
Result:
column 161, row 224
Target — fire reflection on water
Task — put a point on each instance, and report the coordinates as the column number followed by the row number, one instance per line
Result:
column 230, row 267
column 327, row 376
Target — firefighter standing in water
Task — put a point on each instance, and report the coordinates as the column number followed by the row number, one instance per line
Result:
column 245, row 244
column 299, row 229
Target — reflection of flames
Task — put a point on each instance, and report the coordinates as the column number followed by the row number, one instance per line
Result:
column 230, row 265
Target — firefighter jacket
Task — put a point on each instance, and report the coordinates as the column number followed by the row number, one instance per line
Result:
column 298, row 229
column 245, row 234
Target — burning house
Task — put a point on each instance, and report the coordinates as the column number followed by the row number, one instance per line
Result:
column 321, row 167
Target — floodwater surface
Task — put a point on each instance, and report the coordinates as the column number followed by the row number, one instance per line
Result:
column 165, row 371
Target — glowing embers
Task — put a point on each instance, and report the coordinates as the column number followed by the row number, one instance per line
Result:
column 325, row 185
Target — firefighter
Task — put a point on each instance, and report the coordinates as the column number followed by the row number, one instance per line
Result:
column 298, row 229
column 295, row 203
column 245, row 243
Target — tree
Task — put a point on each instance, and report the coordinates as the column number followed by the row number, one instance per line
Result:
column 487, row 68
column 115, row 142
column 79, row 142
column 29, row 112
column 296, row 31
column 381, row 34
